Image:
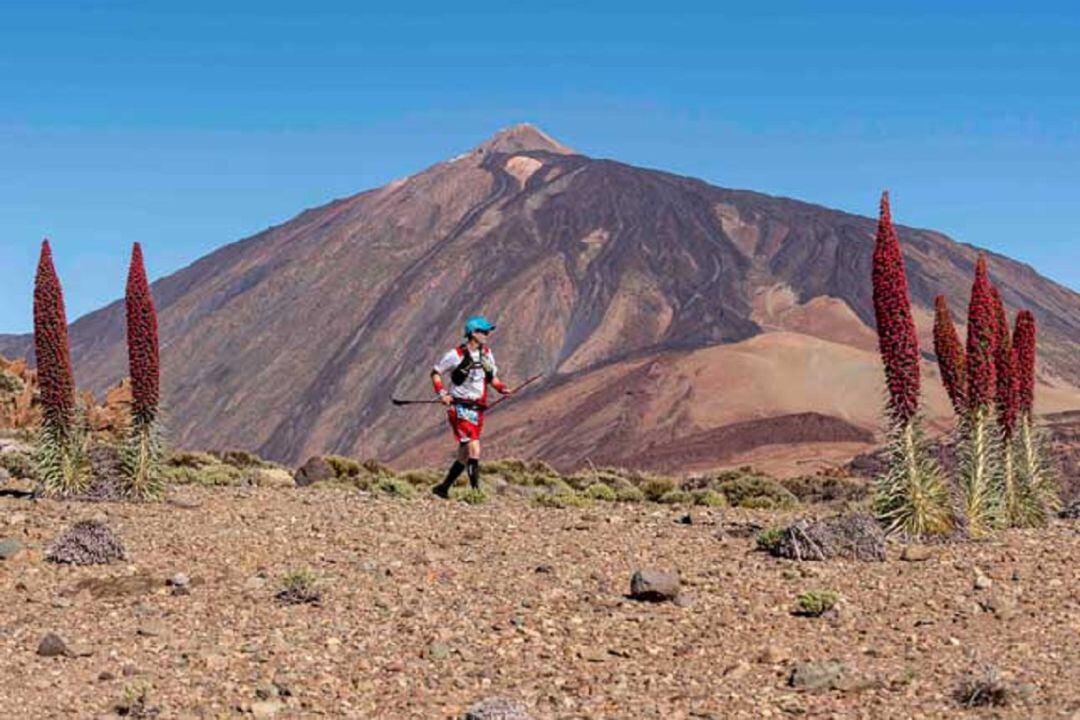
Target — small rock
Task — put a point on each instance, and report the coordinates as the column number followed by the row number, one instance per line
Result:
column 654, row 585
column 497, row 708
column 817, row 675
column 593, row 654
column 774, row 655
column 266, row 709
column 16, row 519
column 684, row 600
column 9, row 547
column 1003, row 605
column 981, row 581
column 916, row 553
column 80, row 650
column 152, row 629
column 52, row 645
column 254, row 583
column 438, row 651
column 179, row 580
column 738, row 670
column 266, row 691
column 129, row 670
column 545, row 569
column 106, row 676
column 686, row 519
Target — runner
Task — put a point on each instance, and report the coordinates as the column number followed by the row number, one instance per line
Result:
column 472, row 368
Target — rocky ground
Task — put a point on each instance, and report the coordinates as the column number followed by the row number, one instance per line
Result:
column 429, row 606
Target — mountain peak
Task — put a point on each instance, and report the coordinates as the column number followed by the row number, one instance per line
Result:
column 522, row 138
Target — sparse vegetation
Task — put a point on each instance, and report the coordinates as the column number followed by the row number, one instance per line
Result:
column 135, row 702
column 709, row 498
column 676, row 497
column 601, row 491
column 756, row 491
column 470, row 496
column 299, row 587
column 769, row 540
column 630, row 495
column 18, row 464
column 561, row 500
column 982, row 688
column 816, row 603
column 657, row 487
column 827, row 488
column 394, row 486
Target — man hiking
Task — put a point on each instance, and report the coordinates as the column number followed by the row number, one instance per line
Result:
column 471, row 367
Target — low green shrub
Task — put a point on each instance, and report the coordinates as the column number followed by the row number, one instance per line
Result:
column 769, row 540
column 209, row 475
column 19, row 465
column 815, row 603
column 757, row 491
column 656, row 487
column 470, row 496
column 299, row 587
column 827, row 488
column 344, row 468
column 190, row 459
column 394, row 486
column 600, row 491
column 561, row 500
column 676, row 497
column 709, row 498
column 241, row 459
column 630, row 495
column 421, row 478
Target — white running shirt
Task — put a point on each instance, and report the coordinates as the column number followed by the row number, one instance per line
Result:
column 474, row 388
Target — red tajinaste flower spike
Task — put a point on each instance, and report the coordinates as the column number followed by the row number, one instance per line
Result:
column 981, row 341
column 1024, row 354
column 142, row 331
column 950, row 355
column 897, row 341
column 51, row 348
column 1005, row 394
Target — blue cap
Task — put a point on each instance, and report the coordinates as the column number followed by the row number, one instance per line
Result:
column 477, row 322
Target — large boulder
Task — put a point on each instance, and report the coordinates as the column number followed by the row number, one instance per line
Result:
column 316, row 469
column 652, row 585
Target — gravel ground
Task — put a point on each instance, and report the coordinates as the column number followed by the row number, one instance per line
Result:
column 428, row 607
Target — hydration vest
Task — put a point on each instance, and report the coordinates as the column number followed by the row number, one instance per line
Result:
column 460, row 374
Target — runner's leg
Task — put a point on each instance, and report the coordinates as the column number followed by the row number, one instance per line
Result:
column 474, row 464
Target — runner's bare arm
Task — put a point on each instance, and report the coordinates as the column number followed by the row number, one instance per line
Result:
column 437, row 383
column 501, row 386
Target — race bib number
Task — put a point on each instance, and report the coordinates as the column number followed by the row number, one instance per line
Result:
column 466, row 413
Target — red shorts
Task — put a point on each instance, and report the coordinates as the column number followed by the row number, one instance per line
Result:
column 466, row 422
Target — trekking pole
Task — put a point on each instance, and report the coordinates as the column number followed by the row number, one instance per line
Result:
column 396, row 401
column 533, row 379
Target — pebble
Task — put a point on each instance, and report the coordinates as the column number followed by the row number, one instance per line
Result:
column 982, row 582
column 774, row 655
column 816, row 675
column 9, row 547
column 52, row 645
column 916, row 553
column 738, row 670
column 266, row 709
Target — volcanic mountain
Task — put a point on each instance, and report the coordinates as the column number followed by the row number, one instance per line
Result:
column 678, row 325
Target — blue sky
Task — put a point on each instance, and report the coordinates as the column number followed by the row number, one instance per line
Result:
column 186, row 126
